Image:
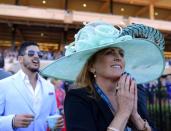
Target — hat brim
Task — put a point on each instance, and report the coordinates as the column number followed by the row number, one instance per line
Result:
column 144, row 61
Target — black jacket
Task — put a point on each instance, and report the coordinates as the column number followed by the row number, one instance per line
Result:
column 85, row 113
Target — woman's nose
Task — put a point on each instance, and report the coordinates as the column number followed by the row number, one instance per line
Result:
column 116, row 59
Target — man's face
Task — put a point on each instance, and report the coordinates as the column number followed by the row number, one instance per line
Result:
column 31, row 59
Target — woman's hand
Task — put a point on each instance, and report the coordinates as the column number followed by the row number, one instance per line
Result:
column 125, row 95
column 135, row 110
column 136, row 118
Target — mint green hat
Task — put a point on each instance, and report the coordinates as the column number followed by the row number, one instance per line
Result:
column 143, row 47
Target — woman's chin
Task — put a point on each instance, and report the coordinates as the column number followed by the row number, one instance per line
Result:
column 115, row 77
column 118, row 74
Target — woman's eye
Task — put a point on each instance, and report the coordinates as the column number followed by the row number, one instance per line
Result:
column 121, row 54
column 109, row 53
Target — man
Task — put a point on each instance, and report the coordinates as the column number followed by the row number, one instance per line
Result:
column 26, row 99
column 3, row 73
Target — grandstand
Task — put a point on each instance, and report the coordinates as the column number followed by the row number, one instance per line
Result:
column 52, row 23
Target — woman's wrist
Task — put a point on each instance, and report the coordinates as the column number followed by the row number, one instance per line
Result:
column 119, row 122
column 112, row 129
column 141, row 124
column 146, row 126
column 123, row 114
column 134, row 116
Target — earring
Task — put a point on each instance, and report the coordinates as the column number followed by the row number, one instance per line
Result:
column 93, row 71
column 94, row 74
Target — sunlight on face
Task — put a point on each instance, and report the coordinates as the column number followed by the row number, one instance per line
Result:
column 109, row 63
column 31, row 63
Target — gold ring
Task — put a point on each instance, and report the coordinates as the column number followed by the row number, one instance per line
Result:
column 117, row 88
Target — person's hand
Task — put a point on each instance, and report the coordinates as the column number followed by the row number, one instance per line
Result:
column 125, row 95
column 60, row 123
column 135, row 111
column 61, row 111
column 136, row 118
column 22, row 120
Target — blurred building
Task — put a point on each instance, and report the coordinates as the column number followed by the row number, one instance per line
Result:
column 53, row 23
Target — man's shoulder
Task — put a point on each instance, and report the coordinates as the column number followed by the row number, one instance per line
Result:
column 45, row 83
column 43, row 80
column 8, row 80
column 6, row 83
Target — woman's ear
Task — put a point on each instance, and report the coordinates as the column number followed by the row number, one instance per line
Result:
column 92, row 70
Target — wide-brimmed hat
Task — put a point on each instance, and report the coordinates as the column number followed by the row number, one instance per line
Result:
column 143, row 47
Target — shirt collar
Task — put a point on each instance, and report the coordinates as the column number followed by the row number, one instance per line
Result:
column 22, row 74
column 25, row 76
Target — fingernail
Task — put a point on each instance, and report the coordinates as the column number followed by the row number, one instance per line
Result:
column 133, row 78
column 123, row 73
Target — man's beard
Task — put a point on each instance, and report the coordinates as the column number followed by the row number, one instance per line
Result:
column 33, row 70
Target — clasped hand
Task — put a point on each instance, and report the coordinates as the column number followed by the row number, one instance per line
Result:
column 126, row 95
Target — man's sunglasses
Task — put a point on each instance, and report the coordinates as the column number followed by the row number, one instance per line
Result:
column 31, row 53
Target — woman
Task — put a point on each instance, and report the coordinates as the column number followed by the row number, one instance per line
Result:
column 99, row 61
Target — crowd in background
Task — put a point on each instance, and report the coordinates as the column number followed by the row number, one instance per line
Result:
column 11, row 56
column 47, row 55
column 159, row 88
column 61, row 87
column 165, row 81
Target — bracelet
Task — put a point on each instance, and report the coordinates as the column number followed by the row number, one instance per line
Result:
column 145, row 127
column 112, row 129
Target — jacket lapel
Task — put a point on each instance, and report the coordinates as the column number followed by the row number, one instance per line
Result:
column 21, row 88
column 105, row 110
column 44, row 96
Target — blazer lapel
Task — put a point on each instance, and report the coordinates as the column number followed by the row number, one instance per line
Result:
column 44, row 96
column 106, row 112
column 19, row 85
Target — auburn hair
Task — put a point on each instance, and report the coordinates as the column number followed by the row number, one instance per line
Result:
column 86, row 78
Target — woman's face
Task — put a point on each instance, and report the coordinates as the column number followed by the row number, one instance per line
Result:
column 109, row 63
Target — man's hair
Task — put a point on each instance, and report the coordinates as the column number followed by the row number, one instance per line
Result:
column 24, row 45
column 2, row 62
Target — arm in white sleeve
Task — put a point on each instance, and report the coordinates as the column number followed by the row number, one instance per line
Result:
column 5, row 121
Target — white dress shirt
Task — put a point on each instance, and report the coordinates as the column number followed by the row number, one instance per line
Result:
column 35, row 94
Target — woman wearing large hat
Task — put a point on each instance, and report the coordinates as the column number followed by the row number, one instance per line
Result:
column 106, row 65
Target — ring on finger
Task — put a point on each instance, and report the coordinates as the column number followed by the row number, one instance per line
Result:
column 117, row 88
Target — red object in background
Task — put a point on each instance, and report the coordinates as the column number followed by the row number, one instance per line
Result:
column 60, row 96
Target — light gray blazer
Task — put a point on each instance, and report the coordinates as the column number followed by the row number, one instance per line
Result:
column 14, row 99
